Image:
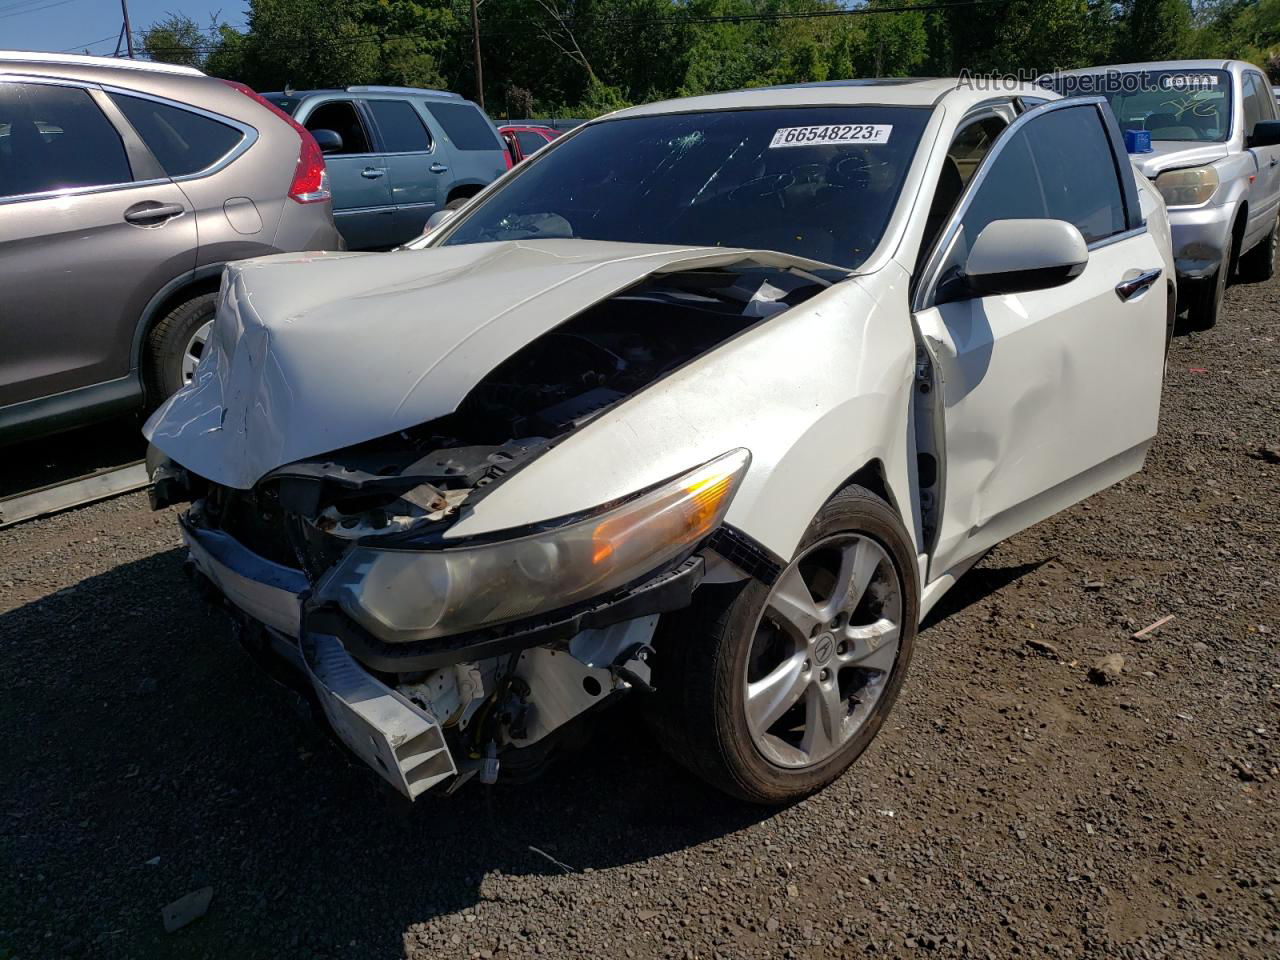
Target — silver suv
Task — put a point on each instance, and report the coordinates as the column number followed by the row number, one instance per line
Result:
column 125, row 187
column 1215, row 157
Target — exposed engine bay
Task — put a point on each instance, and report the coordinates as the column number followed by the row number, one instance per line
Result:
column 456, row 707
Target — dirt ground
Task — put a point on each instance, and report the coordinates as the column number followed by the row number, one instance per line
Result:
column 1010, row 807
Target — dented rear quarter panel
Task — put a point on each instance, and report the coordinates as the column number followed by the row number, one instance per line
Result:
column 815, row 394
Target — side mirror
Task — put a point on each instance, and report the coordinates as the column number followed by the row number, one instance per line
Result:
column 330, row 141
column 438, row 219
column 1014, row 256
column 1266, row 133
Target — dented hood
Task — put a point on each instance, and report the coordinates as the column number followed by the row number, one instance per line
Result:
column 314, row 352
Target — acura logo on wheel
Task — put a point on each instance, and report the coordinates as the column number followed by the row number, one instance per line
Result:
column 822, row 649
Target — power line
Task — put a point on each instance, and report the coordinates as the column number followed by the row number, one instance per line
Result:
column 92, row 43
column 311, row 43
column 31, row 9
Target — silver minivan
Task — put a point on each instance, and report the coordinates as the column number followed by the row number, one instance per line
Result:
column 125, row 187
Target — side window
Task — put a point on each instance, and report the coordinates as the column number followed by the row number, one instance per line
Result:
column 1058, row 166
column 465, row 124
column 1252, row 108
column 342, row 118
column 1263, row 100
column 56, row 138
column 401, row 128
column 1010, row 191
column 529, row 142
column 1078, row 171
column 971, row 145
column 183, row 142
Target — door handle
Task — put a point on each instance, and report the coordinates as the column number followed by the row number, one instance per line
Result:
column 1274, row 161
column 371, row 173
column 438, row 167
column 1128, row 289
column 149, row 213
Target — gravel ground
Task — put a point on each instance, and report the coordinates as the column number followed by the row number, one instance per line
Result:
column 1010, row 807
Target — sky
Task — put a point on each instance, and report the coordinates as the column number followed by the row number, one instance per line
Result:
column 70, row 26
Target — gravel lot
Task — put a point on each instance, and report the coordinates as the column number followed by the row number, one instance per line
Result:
column 1011, row 807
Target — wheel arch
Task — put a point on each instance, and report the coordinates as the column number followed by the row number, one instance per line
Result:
column 464, row 190
column 202, row 280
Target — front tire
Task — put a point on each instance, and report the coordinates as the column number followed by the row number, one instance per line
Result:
column 1205, row 297
column 176, row 343
column 771, row 693
column 1259, row 264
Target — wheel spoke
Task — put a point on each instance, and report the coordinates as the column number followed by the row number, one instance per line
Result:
column 858, row 563
column 872, row 647
column 769, row 698
column 824, row 720
column 793, row 606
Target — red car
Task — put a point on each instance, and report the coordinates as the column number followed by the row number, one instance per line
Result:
column 523, row 139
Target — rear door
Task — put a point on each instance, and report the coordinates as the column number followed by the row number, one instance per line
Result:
column 90, row 229
column 1051, row 395
column 358, row 175
column 415, row 168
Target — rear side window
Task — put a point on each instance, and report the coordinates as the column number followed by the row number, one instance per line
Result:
column 56, row 138
column 466, row 126
column 183, row 142
column 1058, row 167
column 401, row 127
column 529, row 142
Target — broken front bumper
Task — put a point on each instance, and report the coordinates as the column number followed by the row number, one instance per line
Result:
column 398, row 739
column 404, row 743
column 1200, row 238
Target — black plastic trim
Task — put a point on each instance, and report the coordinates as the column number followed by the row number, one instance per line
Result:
column 747, row 554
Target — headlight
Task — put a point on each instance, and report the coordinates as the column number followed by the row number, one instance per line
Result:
column 403, row 595
column 1187, row 188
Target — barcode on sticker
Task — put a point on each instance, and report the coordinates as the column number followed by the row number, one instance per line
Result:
column 1189, row 81
column 831, row 133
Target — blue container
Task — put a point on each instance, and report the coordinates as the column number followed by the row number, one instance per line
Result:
column 1137, row 141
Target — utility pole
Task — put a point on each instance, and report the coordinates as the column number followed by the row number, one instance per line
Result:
column 475, row 38
column 128, row 33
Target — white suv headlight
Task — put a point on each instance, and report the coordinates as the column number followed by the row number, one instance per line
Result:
column 416, row 594
column 1187, row 188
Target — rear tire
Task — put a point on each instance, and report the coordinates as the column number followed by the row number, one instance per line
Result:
column 708, row 655
column 175, row 345
column 1259, row 264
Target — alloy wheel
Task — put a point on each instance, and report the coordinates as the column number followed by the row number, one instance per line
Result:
column 194, row 351
column 823, row 650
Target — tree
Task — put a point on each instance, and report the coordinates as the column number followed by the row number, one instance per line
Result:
column 1155, row 30
column 175, row 39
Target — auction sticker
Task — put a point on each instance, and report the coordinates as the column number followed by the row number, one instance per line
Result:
column 831, row 133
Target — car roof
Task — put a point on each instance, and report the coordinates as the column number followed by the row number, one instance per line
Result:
column 369, row 88
column 40, row 58
column 886, row 91
column 1158, row 65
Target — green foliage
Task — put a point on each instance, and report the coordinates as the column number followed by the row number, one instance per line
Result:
column 175, row 39
column 587, row 57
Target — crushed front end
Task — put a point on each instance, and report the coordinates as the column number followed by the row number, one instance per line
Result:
column 437, row 657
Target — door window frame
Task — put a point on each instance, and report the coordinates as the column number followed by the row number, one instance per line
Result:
column 144, row 169
column 925, row 294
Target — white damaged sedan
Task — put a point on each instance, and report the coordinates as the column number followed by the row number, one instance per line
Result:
column 708, row 402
